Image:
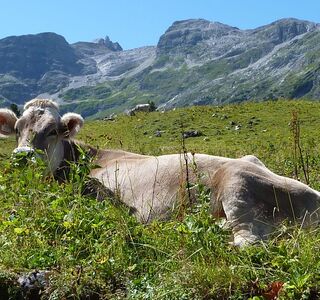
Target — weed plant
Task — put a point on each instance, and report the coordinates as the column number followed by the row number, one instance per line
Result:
column 95, row 250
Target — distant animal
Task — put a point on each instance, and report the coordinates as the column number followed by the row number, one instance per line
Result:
column 253, row 199
column 146, row 107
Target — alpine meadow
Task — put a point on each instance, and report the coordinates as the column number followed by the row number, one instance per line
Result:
column 228, row 120
column 57, row 243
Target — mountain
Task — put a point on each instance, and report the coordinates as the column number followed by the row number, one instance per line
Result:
column 195, row 62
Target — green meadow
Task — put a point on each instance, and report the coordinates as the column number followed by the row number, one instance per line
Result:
column 97, row 250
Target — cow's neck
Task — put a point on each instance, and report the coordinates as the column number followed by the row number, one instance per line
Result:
column 72, row 151
column 92, row 186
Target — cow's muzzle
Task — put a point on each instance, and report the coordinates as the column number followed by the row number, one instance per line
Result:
column 22, row 155
column 23, row 150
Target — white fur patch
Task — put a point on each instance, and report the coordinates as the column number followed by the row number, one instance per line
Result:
column 41, row 103
column 24, row 149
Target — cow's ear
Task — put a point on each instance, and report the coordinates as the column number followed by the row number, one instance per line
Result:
column 73, row 122
column 7, row 121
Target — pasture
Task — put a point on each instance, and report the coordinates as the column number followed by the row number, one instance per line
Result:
column 98, row 250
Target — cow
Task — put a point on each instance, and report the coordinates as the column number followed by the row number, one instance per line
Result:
column 146, row 107
column 253, row 199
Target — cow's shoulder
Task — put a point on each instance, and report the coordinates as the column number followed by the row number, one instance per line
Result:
column 253, row 159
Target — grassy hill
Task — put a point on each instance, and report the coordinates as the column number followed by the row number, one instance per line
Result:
column 97, row 250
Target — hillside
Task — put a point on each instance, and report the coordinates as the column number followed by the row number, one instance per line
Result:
column 79, row 248
column 195, row 62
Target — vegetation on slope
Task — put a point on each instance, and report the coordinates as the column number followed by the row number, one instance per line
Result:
column 97, row 250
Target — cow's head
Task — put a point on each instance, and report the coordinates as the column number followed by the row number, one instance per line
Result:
column 41, row 127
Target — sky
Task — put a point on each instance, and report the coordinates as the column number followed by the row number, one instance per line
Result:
column 137, row 23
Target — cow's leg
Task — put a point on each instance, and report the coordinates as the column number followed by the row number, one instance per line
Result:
column 240, row 217
column 95, row 189
column 245, row 213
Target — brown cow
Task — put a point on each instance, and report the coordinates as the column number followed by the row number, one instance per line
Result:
column 251, row 197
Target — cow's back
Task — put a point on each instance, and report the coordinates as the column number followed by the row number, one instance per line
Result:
column 155, row 185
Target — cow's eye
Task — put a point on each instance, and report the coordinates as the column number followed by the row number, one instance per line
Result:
column 53, row 132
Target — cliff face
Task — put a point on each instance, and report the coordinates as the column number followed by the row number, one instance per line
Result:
column 194, row 62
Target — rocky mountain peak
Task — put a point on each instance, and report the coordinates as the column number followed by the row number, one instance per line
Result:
column 32, row 55
column 192, row 32
column 284, row 29
column 202, row 24
column 113, row 46
column 292, row 22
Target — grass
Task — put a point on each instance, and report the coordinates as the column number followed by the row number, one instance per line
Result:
column 265, row 132
column 97, row 250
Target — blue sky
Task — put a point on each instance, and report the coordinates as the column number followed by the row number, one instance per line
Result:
column 135, row 23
